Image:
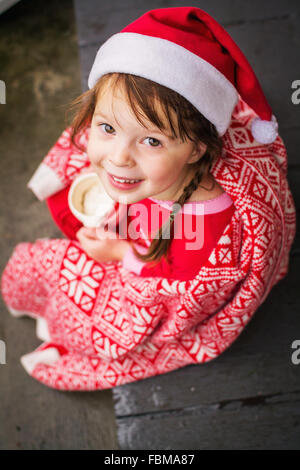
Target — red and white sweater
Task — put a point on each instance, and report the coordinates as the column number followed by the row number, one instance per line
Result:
column 209, row 218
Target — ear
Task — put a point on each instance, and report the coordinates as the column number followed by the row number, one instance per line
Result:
column 198, row 152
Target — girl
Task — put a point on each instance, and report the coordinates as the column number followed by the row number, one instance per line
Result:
column 169, row 168
column 168, row 110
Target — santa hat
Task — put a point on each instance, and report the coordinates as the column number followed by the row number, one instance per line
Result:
column 188, row 51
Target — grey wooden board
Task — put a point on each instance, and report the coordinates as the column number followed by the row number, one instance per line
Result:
column 40, row 65
column 249, row 396
column 267, row 32
column 5, row 4
column 274, row 424
column 92, row 13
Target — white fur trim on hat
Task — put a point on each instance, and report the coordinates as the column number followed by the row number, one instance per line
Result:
column 173, row 66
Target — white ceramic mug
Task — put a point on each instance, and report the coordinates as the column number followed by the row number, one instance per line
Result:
column 79, row 188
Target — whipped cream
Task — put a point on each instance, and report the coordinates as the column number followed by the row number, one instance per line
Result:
column 97, row 202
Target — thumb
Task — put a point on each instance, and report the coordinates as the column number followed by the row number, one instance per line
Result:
column 89, row 232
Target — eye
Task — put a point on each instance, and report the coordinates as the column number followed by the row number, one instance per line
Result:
column 105, row 124
column 156, row 140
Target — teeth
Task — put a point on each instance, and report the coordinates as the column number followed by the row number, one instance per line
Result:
column 125, row 181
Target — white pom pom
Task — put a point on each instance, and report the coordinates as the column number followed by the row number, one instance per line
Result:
column 264, row 132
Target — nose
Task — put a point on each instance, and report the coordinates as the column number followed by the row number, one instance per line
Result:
column 121, row 156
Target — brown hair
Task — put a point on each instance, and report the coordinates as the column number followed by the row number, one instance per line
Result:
column 191, row 125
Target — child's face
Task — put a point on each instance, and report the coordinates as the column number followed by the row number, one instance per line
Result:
column 121, row 146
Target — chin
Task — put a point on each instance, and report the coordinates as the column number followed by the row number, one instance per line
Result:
column 129, row 199
column 122, row 198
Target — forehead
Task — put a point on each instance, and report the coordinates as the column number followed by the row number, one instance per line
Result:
column 110, row 94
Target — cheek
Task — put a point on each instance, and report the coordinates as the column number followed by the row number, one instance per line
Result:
column 94, row 152
column 161, row 173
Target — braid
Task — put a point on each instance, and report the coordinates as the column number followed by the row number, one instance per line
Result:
column 159, row 246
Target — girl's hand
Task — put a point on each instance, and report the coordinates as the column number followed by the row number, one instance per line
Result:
column 101, row 249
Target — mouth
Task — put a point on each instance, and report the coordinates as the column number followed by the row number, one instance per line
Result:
column 123, row 183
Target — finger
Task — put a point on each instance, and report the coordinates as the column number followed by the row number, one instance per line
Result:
column 79, row 233
column 89, row 232
column 82, row 236
column 101, row 233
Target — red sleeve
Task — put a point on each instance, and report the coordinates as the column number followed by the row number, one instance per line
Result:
column 60, row 166
column 61, row 214
column 183, row 264
column 59, row 209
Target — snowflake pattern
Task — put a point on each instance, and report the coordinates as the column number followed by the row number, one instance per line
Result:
column 80, row 278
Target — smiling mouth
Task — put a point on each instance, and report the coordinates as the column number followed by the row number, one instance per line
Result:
column 124, row 180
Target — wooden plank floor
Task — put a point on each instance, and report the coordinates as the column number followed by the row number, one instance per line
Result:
column 40, row 66
column 248, row 398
